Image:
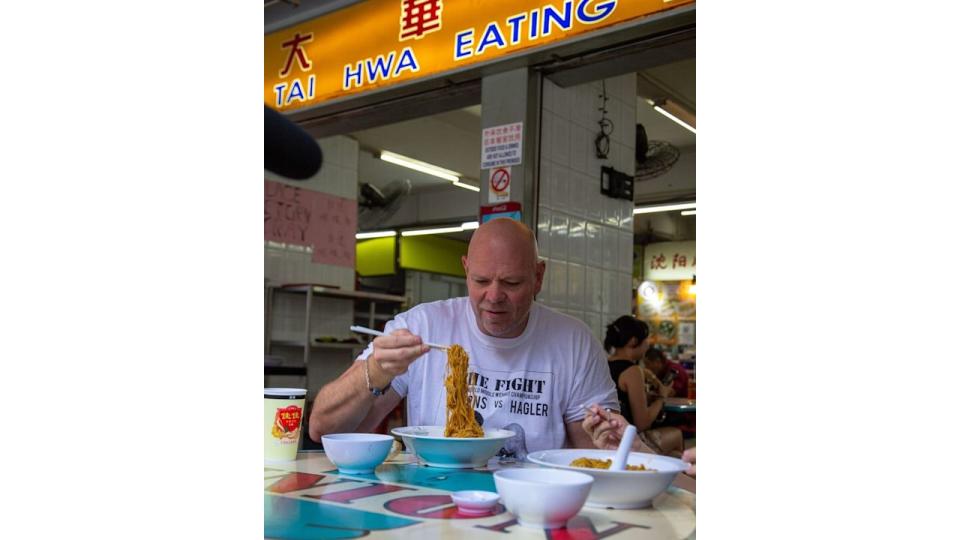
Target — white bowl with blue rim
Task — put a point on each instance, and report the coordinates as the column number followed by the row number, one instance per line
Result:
column 435, row 450
column 357, row 453
column 617, row 489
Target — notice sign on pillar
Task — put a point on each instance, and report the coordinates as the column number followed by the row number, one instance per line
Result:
column 502, row 146
column 510, row 210
column 499, row 184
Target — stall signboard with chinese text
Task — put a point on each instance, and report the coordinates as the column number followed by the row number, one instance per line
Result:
column 379, row 43
column 670, row 261
column 302, row 217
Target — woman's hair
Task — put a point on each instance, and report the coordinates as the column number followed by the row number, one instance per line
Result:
column 624, row 328
column 655, row 355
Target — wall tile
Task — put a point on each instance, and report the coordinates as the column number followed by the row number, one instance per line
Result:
column 625, row 249
column 594, row 243
column 561, row 141
column 577, row 186
column 558, row 236
column 543, row 231
column 595, row 322
column 580, row 144
column 610, row 244
column 550, row 91
column 593, row 289
column 575, row 286
column 558, row 284
column 610, row 307
column 547, row 181
column 546, row 133
column 560, row 196
column 577, row 244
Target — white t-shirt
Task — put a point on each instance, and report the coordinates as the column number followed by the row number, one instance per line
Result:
column 532, row 384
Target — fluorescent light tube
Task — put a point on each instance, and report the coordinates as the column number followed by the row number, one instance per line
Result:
column 466, row 186
column 440, row 230
column 468, row 225
column 421, row 166
column 688, row 213
column 664, row 208
column 375, row 234
column 664, row 112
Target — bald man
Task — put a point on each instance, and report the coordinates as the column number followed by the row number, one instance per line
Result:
column 532, row 369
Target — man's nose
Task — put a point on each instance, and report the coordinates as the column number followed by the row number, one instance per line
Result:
column 496, row 294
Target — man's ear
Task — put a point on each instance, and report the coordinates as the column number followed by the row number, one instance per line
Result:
column 463, row 261
column 541, row 269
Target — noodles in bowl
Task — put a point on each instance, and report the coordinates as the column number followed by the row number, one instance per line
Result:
column 590, row 463
column 616, row 489
column 461, row 443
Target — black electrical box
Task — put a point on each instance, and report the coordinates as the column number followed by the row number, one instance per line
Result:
column 616, row 184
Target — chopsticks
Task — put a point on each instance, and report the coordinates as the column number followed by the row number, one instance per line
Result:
column 371, row 332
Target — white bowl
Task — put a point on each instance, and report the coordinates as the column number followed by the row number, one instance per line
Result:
column 356, row 453
column 429, row 444
column 475, row 502
column 542, row 498
column 617, row 489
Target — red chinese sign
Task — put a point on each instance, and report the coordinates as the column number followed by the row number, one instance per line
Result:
column 670, row 261
column 419, row 17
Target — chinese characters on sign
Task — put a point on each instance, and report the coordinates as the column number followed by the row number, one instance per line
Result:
column 378, row 43
column 301, row 217
column 670, row 261
column 502, row 146
column 419, row 17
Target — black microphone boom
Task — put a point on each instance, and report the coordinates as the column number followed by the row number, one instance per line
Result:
column 288, row 150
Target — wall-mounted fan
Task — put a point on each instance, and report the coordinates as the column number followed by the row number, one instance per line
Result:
column 654, row 158
column 377, row 205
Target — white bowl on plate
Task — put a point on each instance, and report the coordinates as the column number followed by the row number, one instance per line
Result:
column 357, row 453
column 617, row 489
column 542, row 498
column 475, row 502
column 435, row 450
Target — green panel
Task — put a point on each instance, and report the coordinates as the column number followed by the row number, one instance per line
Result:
column 375, row 257
column 432, row 254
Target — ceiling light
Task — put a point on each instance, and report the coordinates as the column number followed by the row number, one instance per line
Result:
column 375, row 234
column 440, row 230
column 421, row 166
column 466, row 186
column 664, row 208
column 675, row 112
column 468, row 225
column 688, row 213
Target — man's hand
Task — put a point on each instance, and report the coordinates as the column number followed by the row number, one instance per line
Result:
column 392, row 356
column 690, row 456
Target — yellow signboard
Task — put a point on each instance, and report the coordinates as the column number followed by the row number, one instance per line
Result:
column 379, row 43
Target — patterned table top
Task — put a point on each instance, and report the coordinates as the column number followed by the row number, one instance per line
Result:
column 309, row 499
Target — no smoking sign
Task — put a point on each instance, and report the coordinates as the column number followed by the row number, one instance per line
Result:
column 500, row 184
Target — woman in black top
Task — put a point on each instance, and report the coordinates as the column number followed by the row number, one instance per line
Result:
column 640, row 393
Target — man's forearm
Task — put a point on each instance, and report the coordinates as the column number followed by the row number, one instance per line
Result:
column 341, row 405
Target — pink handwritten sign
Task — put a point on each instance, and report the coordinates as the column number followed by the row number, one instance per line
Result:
column 303, row 217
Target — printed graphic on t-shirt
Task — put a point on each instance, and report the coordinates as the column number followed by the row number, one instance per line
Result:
column 520, row 401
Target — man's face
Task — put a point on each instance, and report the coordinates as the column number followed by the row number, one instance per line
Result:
column 502, row 287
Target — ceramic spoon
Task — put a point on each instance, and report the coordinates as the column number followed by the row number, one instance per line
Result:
column 620, row 460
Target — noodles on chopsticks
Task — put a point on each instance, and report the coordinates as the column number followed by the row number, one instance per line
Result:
column 460, row 419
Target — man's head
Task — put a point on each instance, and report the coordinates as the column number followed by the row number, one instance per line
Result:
column 655, row 361
column 504, row 273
